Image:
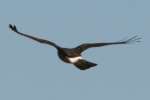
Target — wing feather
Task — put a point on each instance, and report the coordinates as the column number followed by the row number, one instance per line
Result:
column 13, row 28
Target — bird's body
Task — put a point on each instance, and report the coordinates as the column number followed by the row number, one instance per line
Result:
column 74, row 59
column 65, row 54
column 74, row 55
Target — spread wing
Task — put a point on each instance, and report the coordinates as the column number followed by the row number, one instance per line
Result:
column 13, row 28
column 86, row 46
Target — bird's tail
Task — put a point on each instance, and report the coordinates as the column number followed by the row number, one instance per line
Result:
column 83, row 64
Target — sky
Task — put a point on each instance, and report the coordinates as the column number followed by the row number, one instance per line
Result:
column 33, row 71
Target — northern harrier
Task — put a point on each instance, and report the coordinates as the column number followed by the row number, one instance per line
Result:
column 73, row 55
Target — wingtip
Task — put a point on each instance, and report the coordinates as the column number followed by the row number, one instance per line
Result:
column 10, row 26
column 13, row 27
column 133, row 39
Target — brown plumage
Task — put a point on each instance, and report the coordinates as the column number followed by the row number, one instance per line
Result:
column 73, row 55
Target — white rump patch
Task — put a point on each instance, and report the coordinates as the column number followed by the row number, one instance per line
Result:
column 74, row 59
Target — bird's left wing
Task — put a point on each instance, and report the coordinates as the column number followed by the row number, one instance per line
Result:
column 13, row 28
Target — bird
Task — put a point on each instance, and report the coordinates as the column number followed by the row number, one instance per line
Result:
column 74, row 55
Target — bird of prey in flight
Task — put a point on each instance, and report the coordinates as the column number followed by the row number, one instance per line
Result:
column 74, row 55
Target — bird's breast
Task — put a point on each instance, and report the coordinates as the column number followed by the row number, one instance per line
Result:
column 69, row 55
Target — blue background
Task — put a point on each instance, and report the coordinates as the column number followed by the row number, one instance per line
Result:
column 32, row 71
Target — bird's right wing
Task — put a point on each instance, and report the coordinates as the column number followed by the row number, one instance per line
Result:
column 13, row 28
column 86, row 46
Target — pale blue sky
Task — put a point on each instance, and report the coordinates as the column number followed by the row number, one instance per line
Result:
column 32, row 71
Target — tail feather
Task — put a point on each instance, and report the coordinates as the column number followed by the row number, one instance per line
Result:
column 83, row 64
